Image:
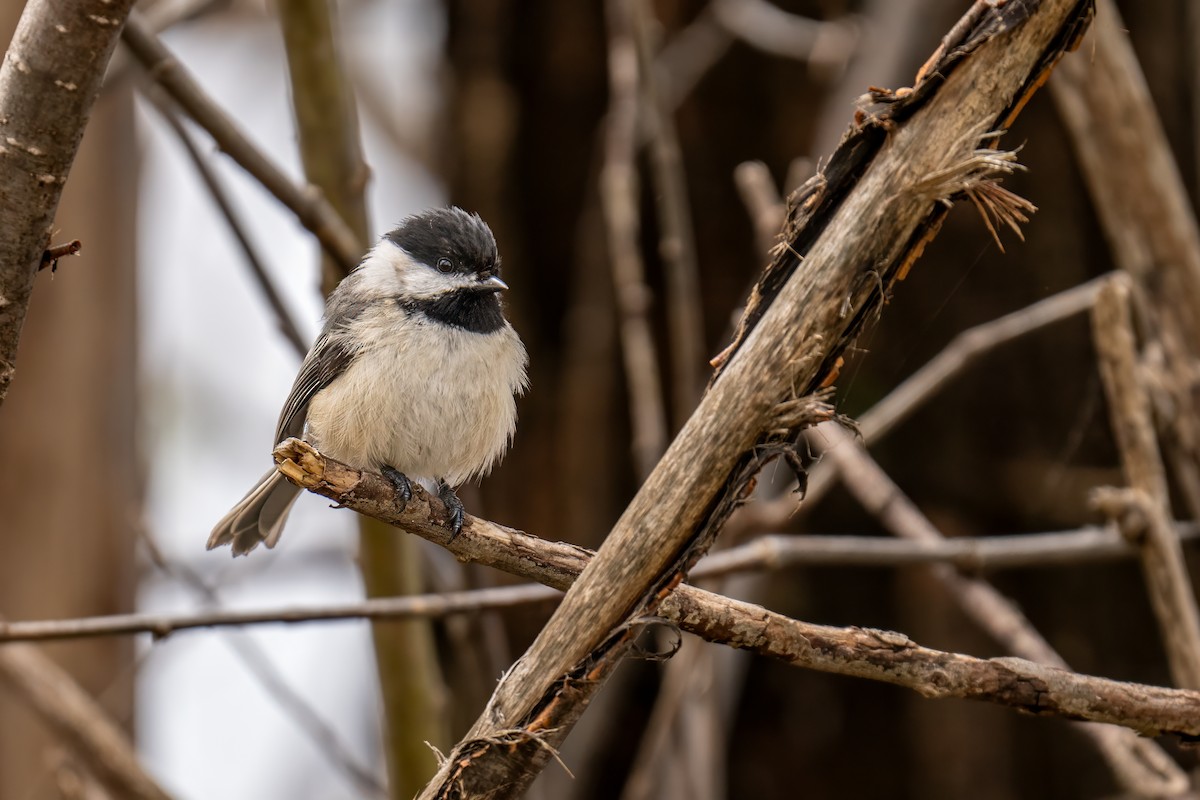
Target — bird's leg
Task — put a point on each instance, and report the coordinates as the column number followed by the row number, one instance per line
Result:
column 453, row 505
column 399, row 480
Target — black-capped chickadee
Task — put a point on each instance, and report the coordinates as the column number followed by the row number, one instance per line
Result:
column 414, row 374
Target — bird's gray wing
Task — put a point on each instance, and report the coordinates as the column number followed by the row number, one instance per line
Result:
column 329, row 358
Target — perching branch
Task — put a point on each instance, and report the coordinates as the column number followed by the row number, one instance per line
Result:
column 876, row 655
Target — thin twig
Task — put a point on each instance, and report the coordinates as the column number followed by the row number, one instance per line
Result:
column 689, row 55
column 432, row 606
column 1171, row 593
column 1140, row 765
column 306, row 202
column 972, row 554
column 283, row 317
column 53, row 254
column 902, row 402
column 767, row 553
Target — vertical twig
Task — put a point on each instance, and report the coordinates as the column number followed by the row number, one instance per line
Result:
column 326, row 119
column 1170, row 588
column 414, row 694
column 619, row 202
column 677, row 240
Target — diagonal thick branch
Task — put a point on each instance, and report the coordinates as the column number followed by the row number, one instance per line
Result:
column 861, row 225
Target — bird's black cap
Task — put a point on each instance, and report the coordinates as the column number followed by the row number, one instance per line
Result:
column 451, row 233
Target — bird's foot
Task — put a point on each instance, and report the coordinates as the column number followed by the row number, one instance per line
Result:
column 399, row 480
column 454, row 506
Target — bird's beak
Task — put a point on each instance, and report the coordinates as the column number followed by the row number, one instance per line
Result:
column 493, row 284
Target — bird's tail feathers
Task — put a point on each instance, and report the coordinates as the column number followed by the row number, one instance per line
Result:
column 258, row 517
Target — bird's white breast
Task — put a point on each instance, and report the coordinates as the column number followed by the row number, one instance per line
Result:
column 431, row 400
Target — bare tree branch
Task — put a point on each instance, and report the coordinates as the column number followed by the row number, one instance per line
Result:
column 971, row 554
column 1015, row 682
column 847, row 651
column 826, row 46
column 898, row 405
column 432, row 606
column 49, row 79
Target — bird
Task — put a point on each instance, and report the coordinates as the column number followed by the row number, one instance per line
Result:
column 415, row 373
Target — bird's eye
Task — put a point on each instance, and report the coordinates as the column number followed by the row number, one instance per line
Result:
column 444, row 265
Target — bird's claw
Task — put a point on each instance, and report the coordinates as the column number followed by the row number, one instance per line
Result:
column 454, row 506
column 399, row 480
